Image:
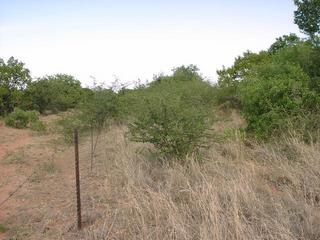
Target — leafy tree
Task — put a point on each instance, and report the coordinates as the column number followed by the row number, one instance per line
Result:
column 284, row 41
column 307, row 57
column 229, row 78
column 307, row 16
column 55, row 93
column 241, row 67
column 14, row 78
column 275, row 96
column 186, row 73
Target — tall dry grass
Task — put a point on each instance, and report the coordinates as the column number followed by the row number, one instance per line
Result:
column 241, row 190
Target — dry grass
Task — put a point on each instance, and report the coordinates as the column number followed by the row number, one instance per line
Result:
column 17, row 157
column 240, row 191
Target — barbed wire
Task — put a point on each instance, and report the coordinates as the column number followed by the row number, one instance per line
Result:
column 17, row 189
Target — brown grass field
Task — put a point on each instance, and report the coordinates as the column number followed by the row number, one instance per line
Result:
column 240, row 190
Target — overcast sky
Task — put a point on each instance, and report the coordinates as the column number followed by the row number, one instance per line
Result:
column 132, row 40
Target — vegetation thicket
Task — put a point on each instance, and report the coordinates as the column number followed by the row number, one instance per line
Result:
column 259, row 181
column 276, row 90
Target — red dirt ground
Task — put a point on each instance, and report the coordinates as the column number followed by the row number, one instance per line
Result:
column 44, row 207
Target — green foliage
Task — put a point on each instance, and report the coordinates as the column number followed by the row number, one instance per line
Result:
column 172, row 128
column 23, row 119
column 274, row 96
column 307, row 16
column 67, row 124
column 14, row 78
column 97, row 107
column 54, row 93
column 174, row 114
column 307, row 57
column 284, row 42
column 277, row 91
column 229, row 78
column 241, row 67
column 18, row 119
column 186, row 73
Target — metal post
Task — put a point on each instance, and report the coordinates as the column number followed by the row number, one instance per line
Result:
column 92, row 150
column 76, row 152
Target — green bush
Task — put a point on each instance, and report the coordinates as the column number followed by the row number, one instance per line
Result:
column 275, row 97
column 174, row 129
column 53, row 93
column 18, row 119
column 173, row 113
column 99, row 106
column 24, row 119
column 14, row 78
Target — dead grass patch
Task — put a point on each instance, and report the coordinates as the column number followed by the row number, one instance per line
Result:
column 236, row 192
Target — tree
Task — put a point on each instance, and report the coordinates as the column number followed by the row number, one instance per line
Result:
column 276, row 97
column 229, row 78
column 307, row 16
column 14, row 78
column 283, row 42
column 306, row 56
column 55, row 93
column 241, row 67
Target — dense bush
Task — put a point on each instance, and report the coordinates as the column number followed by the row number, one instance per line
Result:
column 275, row 97
column 174, row 129
column 14, row 78
column 174, row 113
column 277, row 90
column 23, row 119
column 230, row 78
column 54, row 93
column 96, row 108
column 18, row 119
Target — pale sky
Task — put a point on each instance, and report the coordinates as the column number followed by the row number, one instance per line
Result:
column 136, row 39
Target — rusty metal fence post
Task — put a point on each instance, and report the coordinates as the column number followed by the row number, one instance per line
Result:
column 76, row 153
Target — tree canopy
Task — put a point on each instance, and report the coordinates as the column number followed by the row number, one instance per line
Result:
column 307, row 16
column 14, row 78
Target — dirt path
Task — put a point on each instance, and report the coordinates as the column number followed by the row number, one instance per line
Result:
column 44, row 208
column 11, row 140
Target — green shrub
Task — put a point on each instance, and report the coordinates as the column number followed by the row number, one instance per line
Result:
column 275, row 97
column 53, row 93
column 24, row 119
column 173, row 113
column 175, row 130
column 17, row 119
column 96, row 108
column 14, row 78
